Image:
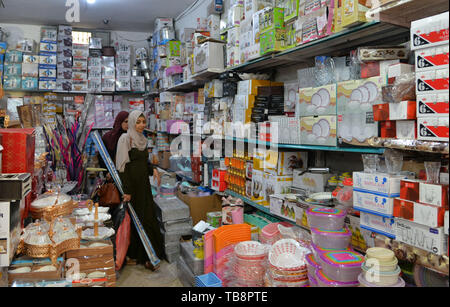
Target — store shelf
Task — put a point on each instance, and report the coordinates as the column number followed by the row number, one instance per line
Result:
column 72, row 92
column 402, row 12
column 208, row 74
column 412, row 145
column 186, row 86
column 337, row 44
column 311, row 147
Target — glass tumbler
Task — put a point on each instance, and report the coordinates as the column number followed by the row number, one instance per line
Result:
column 432, row 169
column 371, row 162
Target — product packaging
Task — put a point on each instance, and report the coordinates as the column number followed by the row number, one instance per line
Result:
column 319, row 130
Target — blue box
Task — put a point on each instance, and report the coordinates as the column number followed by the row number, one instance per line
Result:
column 48, row 47
column 3, row 46
column 2, row 58
column 13, row 69
column 12, row 83
column 13, row 56
column 30, row 83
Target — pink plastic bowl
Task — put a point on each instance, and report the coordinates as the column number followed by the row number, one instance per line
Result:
column 324, row 281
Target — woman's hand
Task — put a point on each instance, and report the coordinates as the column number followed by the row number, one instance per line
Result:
column 156, row 176
column 126, row 197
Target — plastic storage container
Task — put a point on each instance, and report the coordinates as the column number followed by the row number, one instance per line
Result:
column 334, row 239
column 317, row 250
column 343, row 266
column 270, row 233
column 312, row 281
column 364, row 283
column 379, row 278
column 312, row 264
column 325, row 218
column 324, row 281
column 345, row 195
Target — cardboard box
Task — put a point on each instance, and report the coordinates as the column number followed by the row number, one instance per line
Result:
column 404, row 209
column 20, row 142
column 429, row 105
column 433, row 194
column 378, row 224
column 427, row 238
column 199, row 206
column 431, row 81
column 409, row 189
column 353, row 13
column 250, row 87
column 395, row 111
column 386, row 185
column 406, row 129
column 213, row 89
column 373, row 204
column 446, row 223
column 258, row 186
column 388, row 129
column 397, row 70
column 432, row 58
column 279, row 206
column 358, row 96
column 319, row 130
column 208, row 56
column 433, row 128
column 423, row 214
column 283, row 163
column 318, row 100
column 276, row 185
column 270, row 19
column 58, row 274
column 311, row 182
column 10, row 230
column 273, row 40
column 430, row 31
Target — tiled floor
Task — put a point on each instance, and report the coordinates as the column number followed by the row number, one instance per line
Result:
column 139, row 276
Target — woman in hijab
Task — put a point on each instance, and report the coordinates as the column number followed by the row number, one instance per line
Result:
column 111, row 138
column 132, row 163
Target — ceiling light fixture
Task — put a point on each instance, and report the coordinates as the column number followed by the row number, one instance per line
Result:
column 90, row 1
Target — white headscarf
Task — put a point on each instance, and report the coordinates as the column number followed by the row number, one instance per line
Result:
column 131, row 139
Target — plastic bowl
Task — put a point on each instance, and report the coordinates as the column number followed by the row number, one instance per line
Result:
column 250, row 250
column 384, row 259
column 342, row 266
column 288, row 255
column 364, row 283
column 312, row 264
column 334, row 239
column 325, row 218
column 324, row 281
column 382, row 279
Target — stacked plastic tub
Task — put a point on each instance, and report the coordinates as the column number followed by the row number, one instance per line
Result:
column 332, row 262
column 271, row 234
column 175, row 222
column 380, row 269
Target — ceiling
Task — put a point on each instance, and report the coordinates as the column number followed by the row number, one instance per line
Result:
column 124, row 15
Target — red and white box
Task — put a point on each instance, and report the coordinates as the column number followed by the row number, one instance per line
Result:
column 432, row 58
column 431, row 81
column 219, row 174
column 395, row 111
column 422, row 214
column 433, row 128
column 396, row 70
column 433, row 104
column 433, row 194
column 218, row 185
column 406, row 129
column 430, row 31
column 388, row 129
column 18, row 150
column 409, row 189
column 446, row 223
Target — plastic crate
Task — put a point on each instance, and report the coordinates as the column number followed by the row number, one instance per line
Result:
column 208, row 280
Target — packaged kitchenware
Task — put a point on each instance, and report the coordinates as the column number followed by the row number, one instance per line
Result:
column 364, row 283
column 345, row 194
column 317, row 250
column 381, row 278
column 325, row 218
column 394, row 161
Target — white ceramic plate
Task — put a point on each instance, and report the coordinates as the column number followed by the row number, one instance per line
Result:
column 325, row 95
column 373, row 91
column 103, row 233
column 325, row 127
column 365, row 94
